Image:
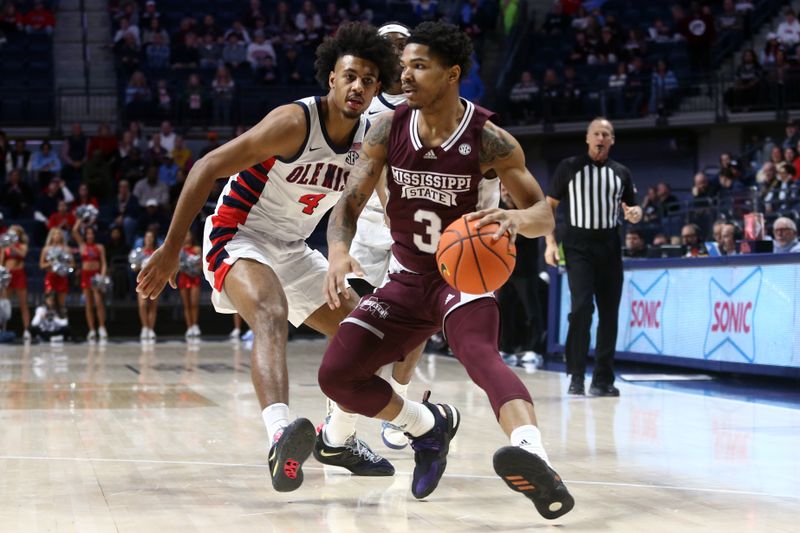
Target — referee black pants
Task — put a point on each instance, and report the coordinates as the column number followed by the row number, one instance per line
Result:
column 594, row 272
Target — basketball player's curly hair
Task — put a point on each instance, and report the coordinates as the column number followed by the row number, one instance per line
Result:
column 446, row 42
column 360, row 40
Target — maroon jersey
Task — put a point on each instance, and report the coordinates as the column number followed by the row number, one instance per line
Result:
column 430, row 187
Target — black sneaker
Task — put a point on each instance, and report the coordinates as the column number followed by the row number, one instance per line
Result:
column 430, row 449
column 576, row 386
column 527, row 473
column 603, row 390
column 354, row 455
column 287, row 455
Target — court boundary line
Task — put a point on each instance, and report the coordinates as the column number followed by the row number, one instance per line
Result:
column 635, row 386
column 402, row 473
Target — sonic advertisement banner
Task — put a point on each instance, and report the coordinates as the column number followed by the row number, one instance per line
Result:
column 733, row 314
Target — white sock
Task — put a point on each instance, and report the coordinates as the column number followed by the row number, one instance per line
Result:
column 276, row 417
column 399, row 388
column 341, row 425
column 529, row 438
column 414, row 418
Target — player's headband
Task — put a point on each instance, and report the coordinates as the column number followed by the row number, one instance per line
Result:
column 393, row 27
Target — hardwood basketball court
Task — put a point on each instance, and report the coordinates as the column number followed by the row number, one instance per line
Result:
column 167, row 437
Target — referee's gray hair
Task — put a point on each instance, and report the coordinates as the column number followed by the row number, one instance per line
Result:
column 601, row 118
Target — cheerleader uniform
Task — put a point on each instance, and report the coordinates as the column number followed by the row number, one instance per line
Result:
column 55, row 283
column 19, row 280
column 186, row 281
column 90, row 253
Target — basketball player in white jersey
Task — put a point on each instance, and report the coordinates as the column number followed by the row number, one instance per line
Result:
column 297, row 161
column 372, row 243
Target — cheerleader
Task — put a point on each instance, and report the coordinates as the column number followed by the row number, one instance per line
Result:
column 13, row 258
column 189, row 287
column 53, row 282
column 147, row 307
column 93, row 262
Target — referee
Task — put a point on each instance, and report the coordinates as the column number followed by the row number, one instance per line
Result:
column 597, row 190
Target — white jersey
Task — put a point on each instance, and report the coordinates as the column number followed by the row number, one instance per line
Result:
column 373, row 210
column 286, row 198
column 385, row 102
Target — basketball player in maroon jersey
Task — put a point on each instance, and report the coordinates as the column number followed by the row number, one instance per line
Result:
column 436, row 150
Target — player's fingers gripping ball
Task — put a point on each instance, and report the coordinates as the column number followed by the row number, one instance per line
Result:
column 471, row 261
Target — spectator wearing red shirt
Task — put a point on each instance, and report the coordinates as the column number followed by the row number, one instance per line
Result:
column 62, row 218
column 104, row 141
column 570, row 7
column 39, row 19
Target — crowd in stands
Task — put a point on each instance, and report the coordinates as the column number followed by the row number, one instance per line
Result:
column 24, row 17
column 622, row 59
column 770, row 77
column 191, row 68
column 763, row 179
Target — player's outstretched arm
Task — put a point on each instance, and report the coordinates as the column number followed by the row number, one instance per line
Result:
column 344, row 216
column 502, row 153
column 280, row 133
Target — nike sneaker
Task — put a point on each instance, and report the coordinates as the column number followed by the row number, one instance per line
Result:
column 354, row 455
column 287, row 455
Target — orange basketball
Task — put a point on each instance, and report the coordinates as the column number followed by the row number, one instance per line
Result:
column 471, row 261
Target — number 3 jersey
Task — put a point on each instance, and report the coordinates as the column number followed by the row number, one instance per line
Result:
column 430, row 187
column 286, row 198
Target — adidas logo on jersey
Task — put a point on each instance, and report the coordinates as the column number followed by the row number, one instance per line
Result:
column 448, row 298
column 429, row 155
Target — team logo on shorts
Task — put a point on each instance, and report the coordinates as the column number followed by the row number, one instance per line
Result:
column 374, row 307
column 464, row 149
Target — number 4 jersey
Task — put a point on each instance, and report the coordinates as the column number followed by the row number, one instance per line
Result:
column 286, row 198
column 430, row 187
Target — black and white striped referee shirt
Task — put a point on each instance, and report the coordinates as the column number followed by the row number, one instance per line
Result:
column 592, row 192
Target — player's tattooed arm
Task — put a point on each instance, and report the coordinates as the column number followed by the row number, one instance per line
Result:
column 361, row 182
column 495, row 144
column 344, row 217
column 378, row 134
column 500, row 152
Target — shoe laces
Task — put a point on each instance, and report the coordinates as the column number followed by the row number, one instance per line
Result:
column 361, row 449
